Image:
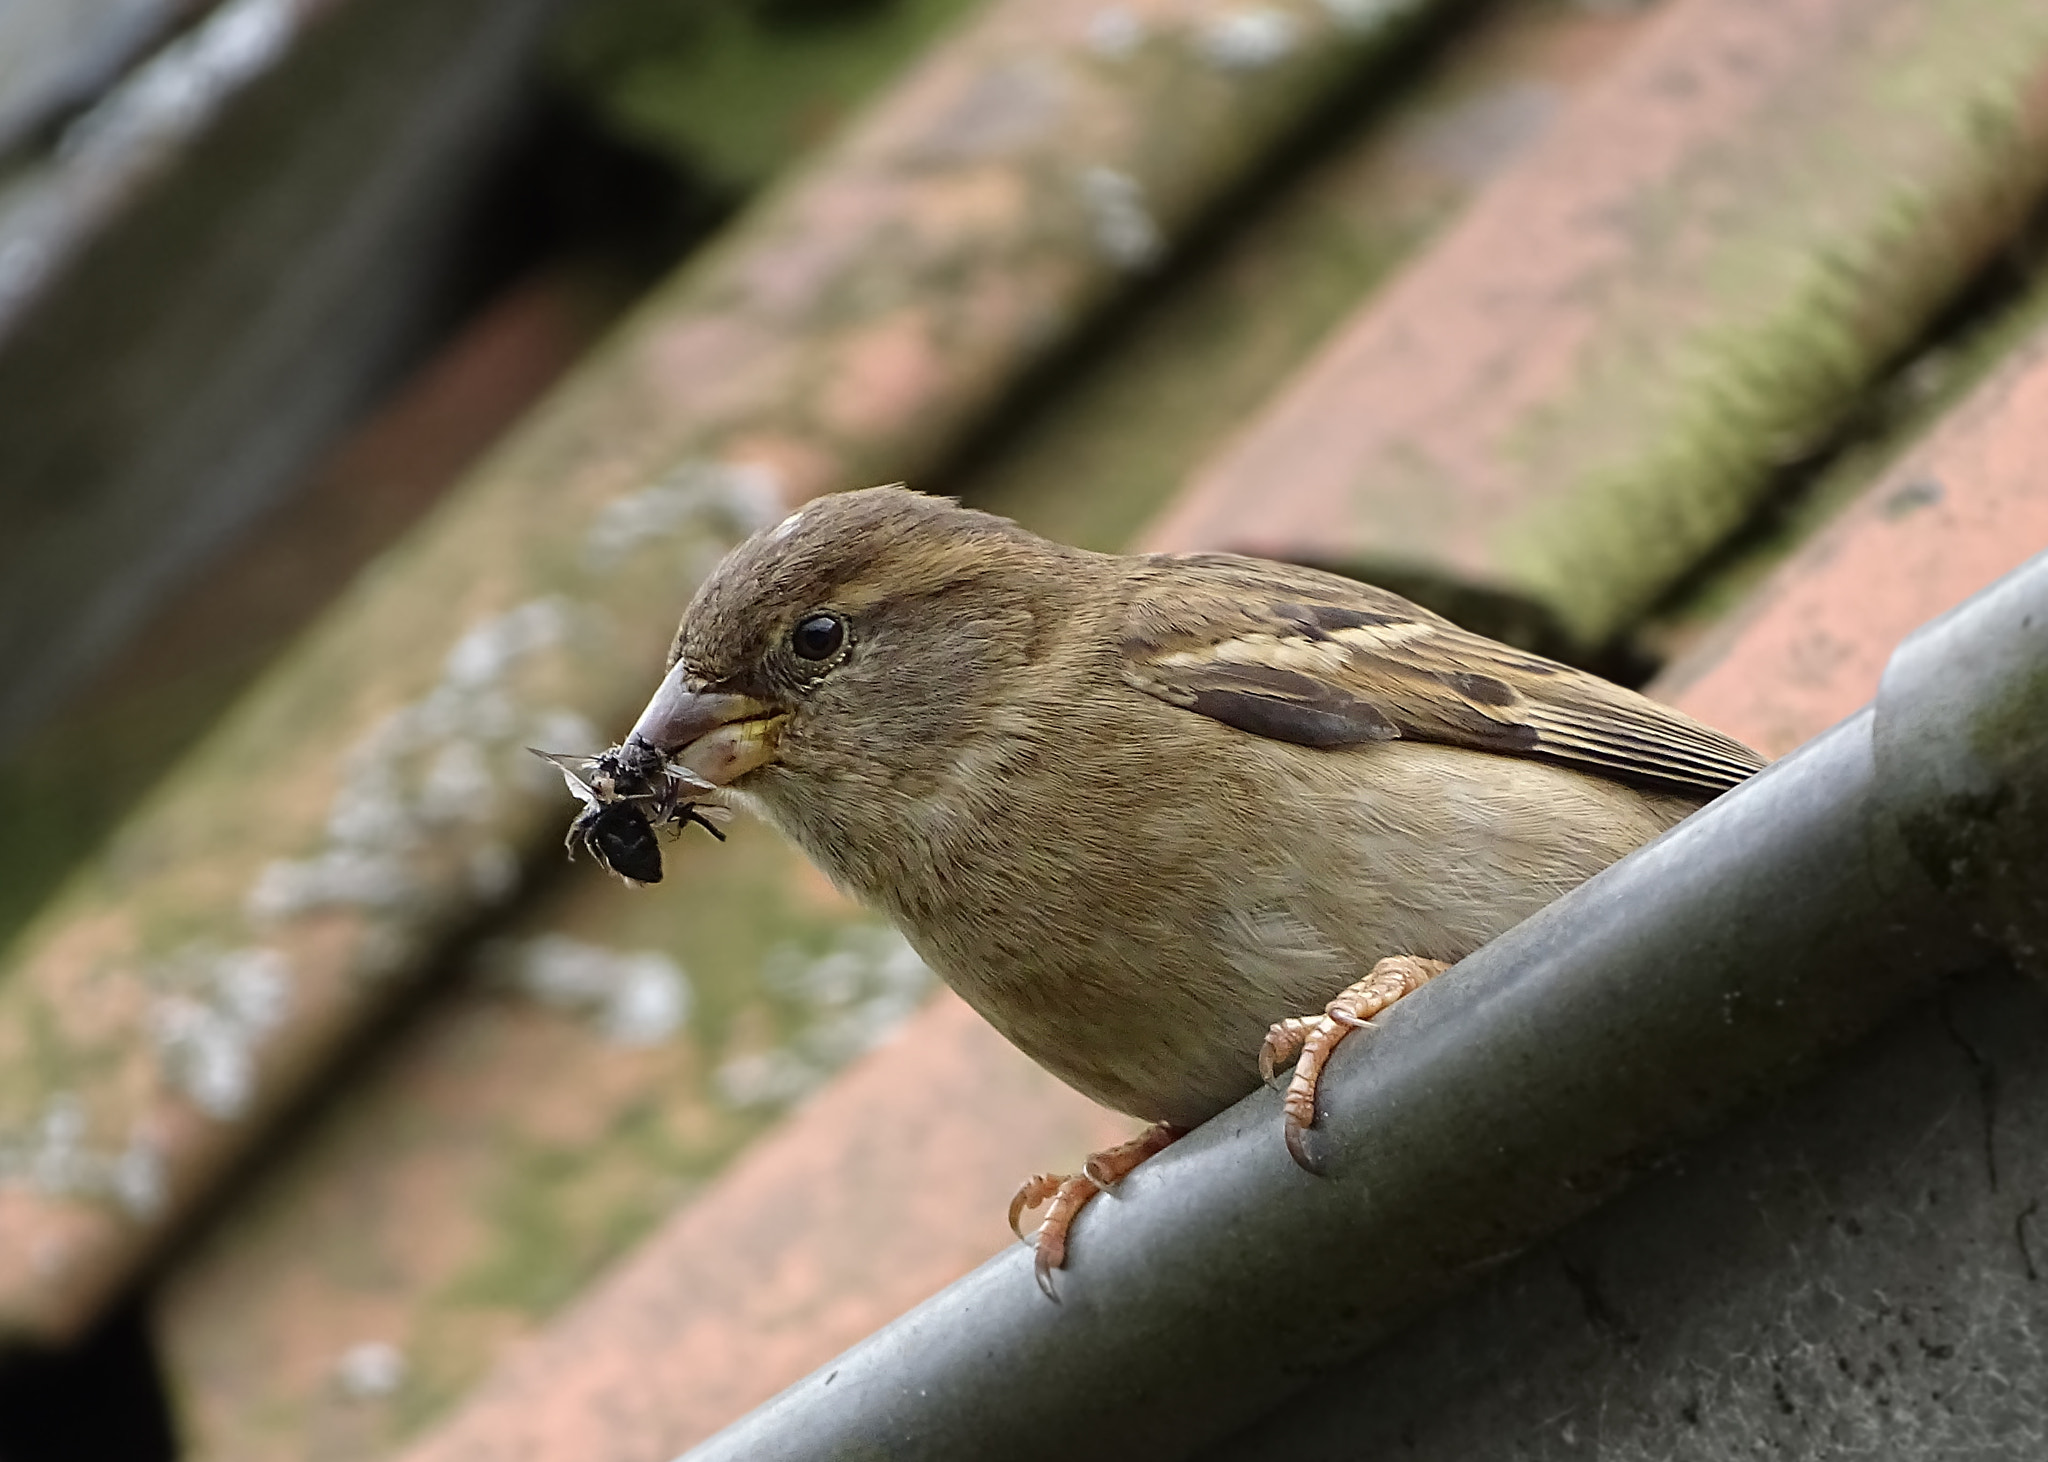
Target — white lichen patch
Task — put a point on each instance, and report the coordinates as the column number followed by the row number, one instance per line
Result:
column 1123, row 226
column 479, row 660
column 850, row 997
column 211, row 1010
column 177, row 91
column 56, row 1159
column 373, row 1369
column 1248, row 40
column 441, row 766
column 714, row 502
column 636, row 997
column 457, row 783
column 113, row 145
column 23, row 263
column 1363, row 17
column 492, row 871
column 1115, row 32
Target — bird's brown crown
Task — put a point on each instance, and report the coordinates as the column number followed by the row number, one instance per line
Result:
column 845, row 554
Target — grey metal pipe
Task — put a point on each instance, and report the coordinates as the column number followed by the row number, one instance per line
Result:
column 1712, row 967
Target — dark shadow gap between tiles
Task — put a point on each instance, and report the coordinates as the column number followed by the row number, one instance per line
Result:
column 101, row 1400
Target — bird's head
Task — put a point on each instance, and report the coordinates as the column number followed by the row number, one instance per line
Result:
column 864, row 645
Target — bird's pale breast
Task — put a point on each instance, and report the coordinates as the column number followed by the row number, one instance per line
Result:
column 1194, row 884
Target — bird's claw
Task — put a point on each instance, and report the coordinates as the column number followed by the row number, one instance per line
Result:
column 1030, row 1193
column 1282, row 1044
column 1065, row 1195
column 1309, row 1041
column 1297, row 1146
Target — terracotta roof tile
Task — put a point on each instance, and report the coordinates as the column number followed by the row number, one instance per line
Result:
column 189, row 985
column 444, row 1203
column 1583, row 387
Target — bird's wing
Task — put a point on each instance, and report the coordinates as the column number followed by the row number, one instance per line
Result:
column 1308, row 657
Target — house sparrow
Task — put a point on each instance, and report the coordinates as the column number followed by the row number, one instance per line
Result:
column 1139, row 811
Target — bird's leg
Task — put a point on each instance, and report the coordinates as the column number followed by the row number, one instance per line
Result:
column 1069, row 1194
column 1308, row 1040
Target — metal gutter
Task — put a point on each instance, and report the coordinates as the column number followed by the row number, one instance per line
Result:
column 1717, row 965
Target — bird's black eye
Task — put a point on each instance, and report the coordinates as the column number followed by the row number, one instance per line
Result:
column 819, row 637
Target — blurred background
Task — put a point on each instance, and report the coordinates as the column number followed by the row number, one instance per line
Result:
column 378, row 377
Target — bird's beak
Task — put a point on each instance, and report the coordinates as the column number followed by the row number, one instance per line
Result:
column 719, row 737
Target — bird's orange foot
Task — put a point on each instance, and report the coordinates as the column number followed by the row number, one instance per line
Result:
column 1069, row 1194
column 1308, row 1040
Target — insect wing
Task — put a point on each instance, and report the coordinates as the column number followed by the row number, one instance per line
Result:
column 566, row 764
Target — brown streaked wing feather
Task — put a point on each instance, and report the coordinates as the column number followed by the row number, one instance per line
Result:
column 1298, row 655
